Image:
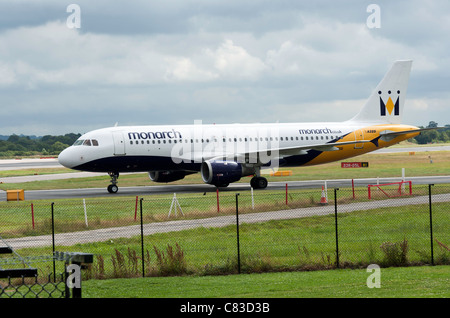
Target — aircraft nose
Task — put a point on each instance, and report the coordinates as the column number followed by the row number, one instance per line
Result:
column 66, row 158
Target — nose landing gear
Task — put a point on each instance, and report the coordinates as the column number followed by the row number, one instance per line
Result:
column 113, row 188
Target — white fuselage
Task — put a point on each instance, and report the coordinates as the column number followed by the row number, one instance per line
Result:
column 225, row 153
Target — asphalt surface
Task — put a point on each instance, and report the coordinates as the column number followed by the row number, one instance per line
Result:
column 191, row 188
column 201, row 188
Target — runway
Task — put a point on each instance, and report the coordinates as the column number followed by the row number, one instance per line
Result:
column 201, row 188
column 153, row 188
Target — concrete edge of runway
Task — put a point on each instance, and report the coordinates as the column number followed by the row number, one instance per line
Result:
column 152, row 188
column 155, row 189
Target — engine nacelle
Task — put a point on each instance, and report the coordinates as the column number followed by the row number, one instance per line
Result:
column 221, row 173
column 166, row 176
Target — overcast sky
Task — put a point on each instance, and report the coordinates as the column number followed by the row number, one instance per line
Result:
column 174, row 62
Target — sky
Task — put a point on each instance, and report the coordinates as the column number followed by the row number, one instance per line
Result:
column 66, row 69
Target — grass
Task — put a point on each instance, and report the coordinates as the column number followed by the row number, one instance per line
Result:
column 278, row 245
column 409, row 282
column 281, row 245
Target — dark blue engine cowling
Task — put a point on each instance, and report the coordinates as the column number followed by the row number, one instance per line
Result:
column 221, row 172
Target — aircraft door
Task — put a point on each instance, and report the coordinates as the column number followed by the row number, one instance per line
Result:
column 119, row 143
column 359, row 135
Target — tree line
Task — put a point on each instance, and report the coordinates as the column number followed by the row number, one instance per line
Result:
column 19, row 146
column 433, row 136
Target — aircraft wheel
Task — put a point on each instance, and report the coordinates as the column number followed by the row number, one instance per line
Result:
column 112, row 188
column 258, row 183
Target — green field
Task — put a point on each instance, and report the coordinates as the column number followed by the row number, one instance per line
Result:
column 284, row 245
column 407, row 282
column 299, row 244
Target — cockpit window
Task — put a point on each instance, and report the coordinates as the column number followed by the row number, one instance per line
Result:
column 86, row 142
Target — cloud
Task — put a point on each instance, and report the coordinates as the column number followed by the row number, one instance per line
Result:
column 74, row 58
column 176, row 61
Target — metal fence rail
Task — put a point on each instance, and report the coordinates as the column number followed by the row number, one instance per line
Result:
column 213, row 233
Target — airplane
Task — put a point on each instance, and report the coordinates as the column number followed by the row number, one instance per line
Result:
column 225, row 153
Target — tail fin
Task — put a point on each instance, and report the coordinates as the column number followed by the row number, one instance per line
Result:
column 385, row 104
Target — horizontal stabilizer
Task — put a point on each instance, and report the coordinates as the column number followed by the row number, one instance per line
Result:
column 388, row 135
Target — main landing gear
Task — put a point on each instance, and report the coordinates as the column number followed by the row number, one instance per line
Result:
column 258, row 182
column 113, row 188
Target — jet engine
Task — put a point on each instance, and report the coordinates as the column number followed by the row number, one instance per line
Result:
column 222, row 173
column 167, row 176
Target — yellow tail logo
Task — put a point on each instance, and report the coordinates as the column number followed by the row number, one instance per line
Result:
column 389, row 106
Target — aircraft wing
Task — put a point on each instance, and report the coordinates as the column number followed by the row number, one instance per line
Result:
column 253, row 156
column 320, row 147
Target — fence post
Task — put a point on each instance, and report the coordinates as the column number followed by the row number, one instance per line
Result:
column 431, row 223
column 53, row 240
column 135, row 208
column 336, row 226
column 32, row 215
column 142, row 240
column 286, row 193
column 237, row 235
column 218, row 205
column 353, row 188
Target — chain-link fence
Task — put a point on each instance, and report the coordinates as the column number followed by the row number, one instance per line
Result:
column 226, row 232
